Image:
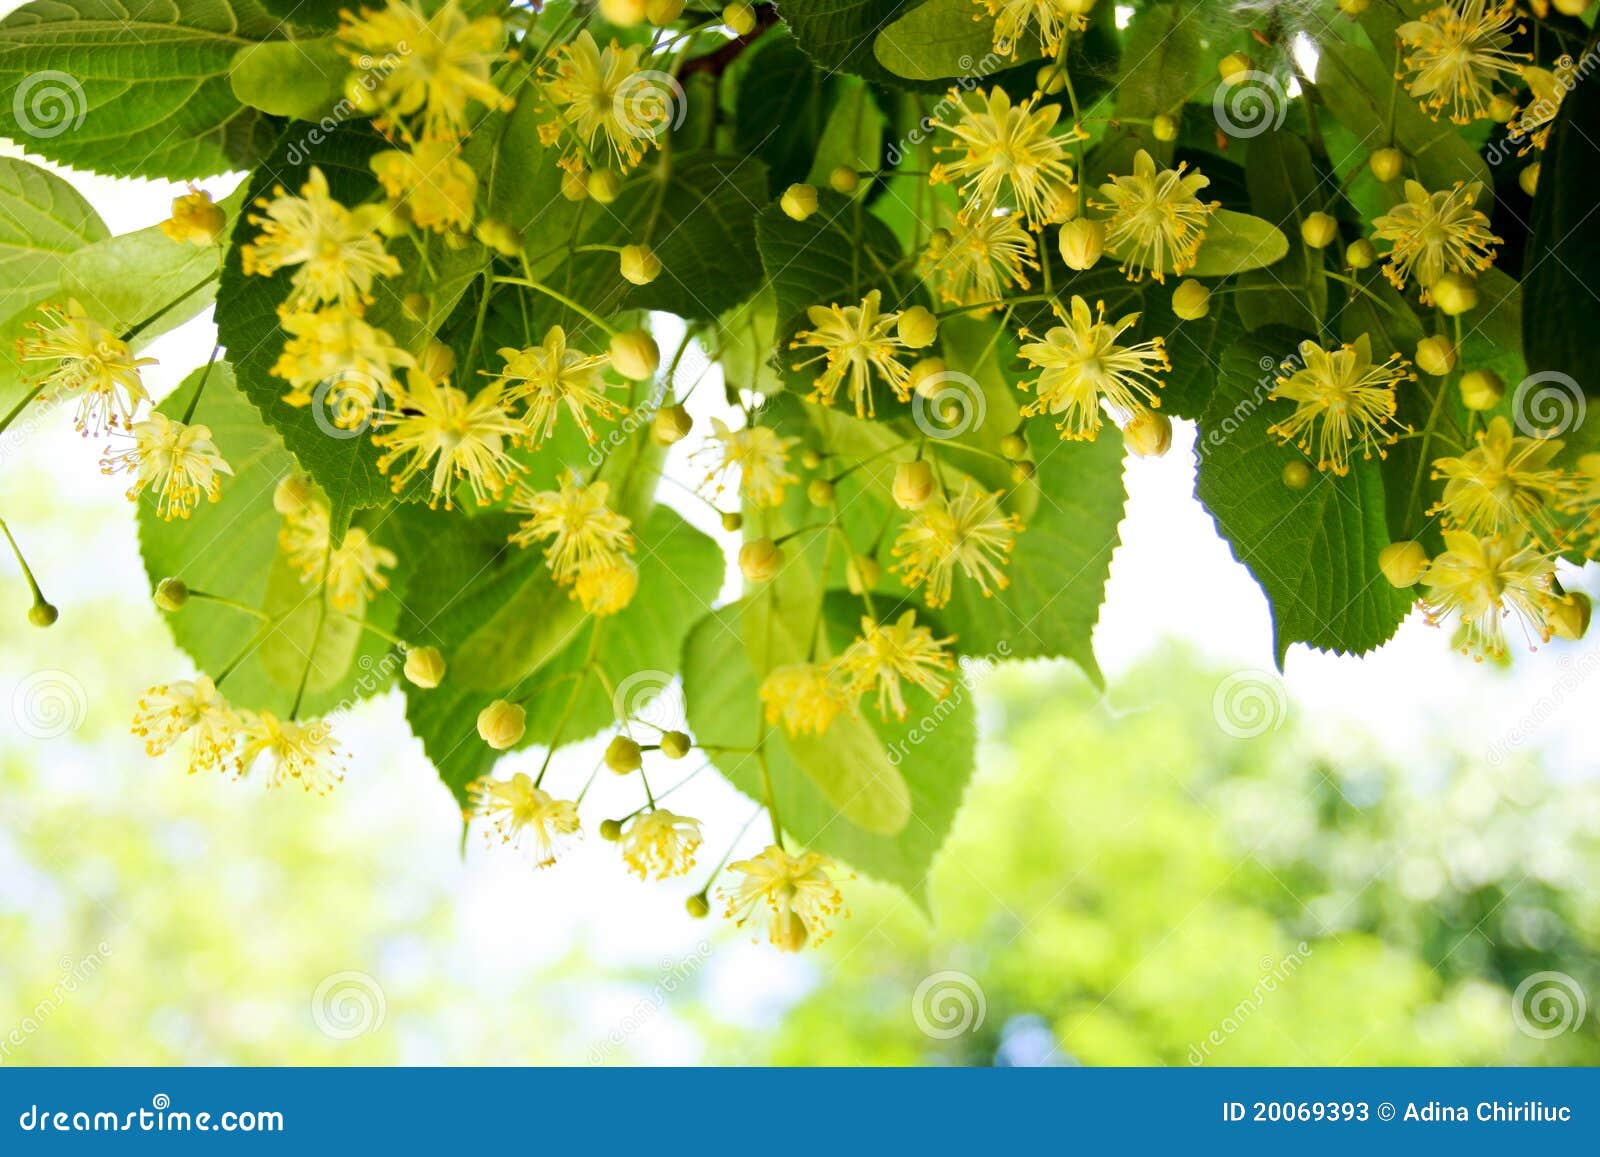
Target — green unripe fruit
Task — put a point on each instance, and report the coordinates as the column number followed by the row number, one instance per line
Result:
column 1360, row 254
column 1318, row 230
column 820, row 492
column 675, row 744
column 43, row 614
column 732, row 520
column 611, row 830
column 1481, row 390
column 697, row 906
column 844, row 180
column 171, row 594
column 623, row 755
column 1385, row 164
column 1014, row 446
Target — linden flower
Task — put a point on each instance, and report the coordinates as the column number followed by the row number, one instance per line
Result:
column 883, row 656
column 437, row 429
column 604, row 93
column 168, row 712
column 435, row 185
column 353, row 570
column 804, row 695
column 1432, row 234
column 1343, row 403
column 856, row 342
column 550, row 375
column 607, row 587
column 661, row 844
column 1484, row 580
column 1006, row 149
column 585, row 532
column 412, row 64
column 333, row 352
column 1082, row 366
column 303, row 751
column 792, row 896
column 526, row 817
column 1456, row 53
column 92, row 362
column 757, row 453
column 195, row 219
column 968, row 532
column 175, row 461
column 336, row 250
column 1156, row 220
column 981, row 259
column 1053, row 18
column 1534, row 120
column 1502, row 484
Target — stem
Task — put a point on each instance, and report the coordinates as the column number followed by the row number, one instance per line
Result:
column 27, row 572
column 232, row 604
column 581, row 311
column 200, row 386
column 154, row 317
column 22, row 405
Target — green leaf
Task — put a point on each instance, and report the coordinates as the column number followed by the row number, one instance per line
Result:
column 838, row 34
column 299, row 79
column 1314, row 551
column 782, row 107
column 1236, row 243
column 945, row 38
column 133, row 89
column 42, row 220
column 1162, row 59
column 853, row 138
column 1193, row 347
column 1284, row 189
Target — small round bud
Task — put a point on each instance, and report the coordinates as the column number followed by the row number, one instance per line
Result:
column 1454, row 294
column 1296, row 475
column 358, row 91
column 740, row 18
column 799, row 201
column 1050, row 79
column 1164, row 128
column 1571, row 7
column 635, row 355
column 675, row 744
column 820, row 492
column 1233, row 64
column 1082, row 241
column 1014, row 446
column 416, row 306
column 1191, row 300
column 639, row 264
column 1481, row 389
column 424, row 666
column 732, row 521
column 760, row 559
column 1354, row 7
column 1148, row 434
column 1023, row 472
column 1569, row 617
column 1501, row 108
column 861, row 573
column 1402, row 563
column 604, row 186
column 810, row 458
column 1435, row 355
column 622, row 13
column 623, row 755
column 913, row 484
column 923, row 376
column 575, row 186
column 1529, row 179
column 396, row 219
column 611, row 830
column 670, row 425
column 502, row 723
column 171, row 594
column 43, row 614
column 917, row 328
column 500, row 237
column 1360, row 254
column 1386, row 164
column 844, row 180
column 294, row 493
column 663, row 12
column 698, row 906
column 1318, row 230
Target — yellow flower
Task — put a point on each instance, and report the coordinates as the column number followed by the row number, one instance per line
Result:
column 552, row 374
column 856, row 342
column 793, row 897
column 607, row 587
column 437, row 429
column 351, row 362
column 434, row 184
column 1082, row 366
column 168, row 712
column 883, row 656
column 195, row 219
column 1456, row 54
column 1053, row 18
column 660, row 844
column 91, row 362
column 1534, row 119
column 1006, row 150
column 583, row 530
column 805, row 696
column 758, row 453
column 1432, row 234
column 521, row 813
column 1502, row 484
column 303, row 751
column 411, row 64
column 1484, row 580
column 604, row 93
column 353, row 569
column 1343, row 403
column 336, row 250
column 175, row 461
column 981, row 259
column 967, row 532
column 1156, row 219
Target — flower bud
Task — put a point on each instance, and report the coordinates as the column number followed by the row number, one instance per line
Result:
column 622, row 13
column 1148, row 434
column 195, row 219
column 43, row 614
column 861, row 573
column 760, row 559
column 1233, row 64
column 1023, row 471
column 732, row 520
column 623, row 755
column 1191, row 300
column 575, row 186
column 1454, row 294
column 1318, row 230
column 820, row 492
column 1360, row 254
column 1050, row 79
column 501, row 724
column 171, row 594
column 1501, row 108
column 663, row 12
column 740, row 18
column 294, row 493
column 1402, row 563
column 424, row 666
column 917, row 328
column 1296, row 475
column 697, row 906
column 810, row 458
column 604, row 185
column 1082, row 241
column 358, row 91
column 1164, row 128
column 1435, row 355
column 1014, row 446
column 1571, row 7
column 1569, row 617
column 913, row 484
column 1386, row 163
column 671, row 424
column 675, row 744
column 844, row 180
column 1529, row 179
column 635, row 355
column 1481, row 389
column 799, row 201
column 611, row 830
column 500, row 237
column 923, row 375
column 639, row 264
column 1354, row 7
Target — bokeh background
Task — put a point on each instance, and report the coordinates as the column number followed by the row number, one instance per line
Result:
column 1389, row 860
